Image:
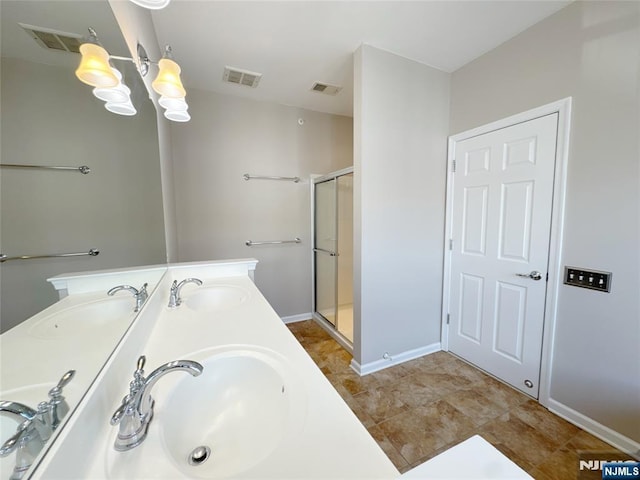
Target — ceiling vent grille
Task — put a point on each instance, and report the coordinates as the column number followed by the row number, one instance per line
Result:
column 325, row 88
column 54, row 39
column 241, row 77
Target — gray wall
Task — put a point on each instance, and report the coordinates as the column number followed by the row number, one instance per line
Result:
column 590, row 51
column 51, row 118
column 401, row 117
column 217, row 211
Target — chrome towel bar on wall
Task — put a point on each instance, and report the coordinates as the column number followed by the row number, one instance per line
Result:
column 82, row 169
column 246, row 176
column 250, row 243
column 92, row 253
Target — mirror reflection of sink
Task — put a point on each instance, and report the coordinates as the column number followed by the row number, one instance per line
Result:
column 30, row 396
column 86, row 318
column 215, row 297
column 240, row 408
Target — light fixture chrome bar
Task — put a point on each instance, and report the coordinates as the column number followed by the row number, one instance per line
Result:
column 142, row 62
column 118, row 57
column 246, row 176
column 82, row 169
column 250, row 243
column 92, row 253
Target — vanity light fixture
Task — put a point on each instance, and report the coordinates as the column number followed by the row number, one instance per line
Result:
column 169, row 86
column 96, row 70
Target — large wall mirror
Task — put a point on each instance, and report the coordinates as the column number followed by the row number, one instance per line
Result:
column 50, row 118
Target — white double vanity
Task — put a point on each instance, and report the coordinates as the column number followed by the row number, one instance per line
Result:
column 256, row 405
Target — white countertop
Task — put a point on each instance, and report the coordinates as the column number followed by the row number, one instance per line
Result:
column 330, row 442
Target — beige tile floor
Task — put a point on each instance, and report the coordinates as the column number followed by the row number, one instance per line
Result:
column 422, row 407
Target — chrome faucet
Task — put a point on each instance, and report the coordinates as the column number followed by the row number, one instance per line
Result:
column 35, row 426
column 140, row 295
column 26, row 442
column 136, row 411
column 174, row 295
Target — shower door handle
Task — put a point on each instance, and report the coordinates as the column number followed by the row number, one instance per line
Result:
column 322, row 250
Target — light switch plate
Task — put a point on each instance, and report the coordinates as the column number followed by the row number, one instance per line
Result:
column 591, row 279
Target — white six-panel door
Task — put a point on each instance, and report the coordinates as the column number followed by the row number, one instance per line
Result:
column 501, row 223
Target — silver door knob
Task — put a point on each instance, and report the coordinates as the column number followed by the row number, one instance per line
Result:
column 534, row 275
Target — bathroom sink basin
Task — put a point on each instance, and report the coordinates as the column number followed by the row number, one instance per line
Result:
column 215, row 298
column 237, row 412
column 87, row 318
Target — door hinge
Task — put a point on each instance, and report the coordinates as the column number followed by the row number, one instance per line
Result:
column 448, row 318
column 453, row 166
column 451, row 244
column 547, row 277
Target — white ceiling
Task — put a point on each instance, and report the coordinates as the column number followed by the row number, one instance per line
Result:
column 296, row 43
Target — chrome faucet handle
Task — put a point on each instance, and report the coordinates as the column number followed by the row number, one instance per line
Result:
column 142, row 360
column 138, row 376
column 27, row 444
column 174, row 301
column 174, row 295
column 63, row 382
column 141, row 296
column 58, row 406
column 43, row 421
column 26, row 432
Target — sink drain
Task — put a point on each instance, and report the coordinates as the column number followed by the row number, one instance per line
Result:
column 199, row 455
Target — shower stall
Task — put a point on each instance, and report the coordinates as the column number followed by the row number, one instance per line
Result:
column 333, row 254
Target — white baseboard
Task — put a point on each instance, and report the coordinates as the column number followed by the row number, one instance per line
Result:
column 297, row 318
column 612, row 437
column 395, row 359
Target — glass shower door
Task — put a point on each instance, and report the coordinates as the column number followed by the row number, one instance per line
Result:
column 324, row 251
column 344, row 275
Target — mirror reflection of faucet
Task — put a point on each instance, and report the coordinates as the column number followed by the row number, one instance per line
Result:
column 136, row 411
column 174, row 295
column 140, row 295
column 35, row 426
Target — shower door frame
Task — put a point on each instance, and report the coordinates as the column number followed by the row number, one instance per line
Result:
column 319, row 318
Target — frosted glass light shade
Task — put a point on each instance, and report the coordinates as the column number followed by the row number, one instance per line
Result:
column 94, row 68
column 121, row 108
column 118, row 94
column 174, row 104
column 152, row 4
column 168, row 83
column 177, row 115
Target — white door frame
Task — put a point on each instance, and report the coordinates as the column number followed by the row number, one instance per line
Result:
column 563, row 108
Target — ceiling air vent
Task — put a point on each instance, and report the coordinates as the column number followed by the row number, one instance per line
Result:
column 54, row 39
column 325, row 88
column 241, row 77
